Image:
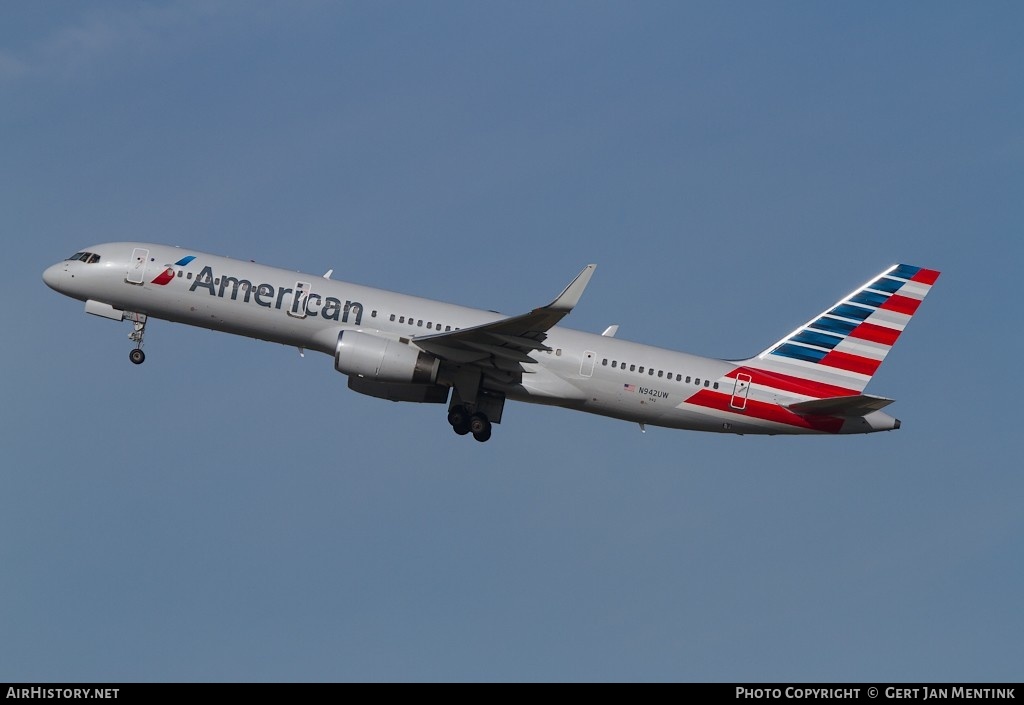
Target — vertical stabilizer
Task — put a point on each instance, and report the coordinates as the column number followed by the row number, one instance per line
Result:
column 837, row 352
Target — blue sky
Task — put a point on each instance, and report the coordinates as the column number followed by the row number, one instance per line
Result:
column 230, row 511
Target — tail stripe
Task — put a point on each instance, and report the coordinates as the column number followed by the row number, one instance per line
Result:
column 800, row 352
column 888, row 285
column 813, row 337
column 905, row 271
column 856, row 313
column 864, row 348
column 870, row 298
column 853, row 363
column 926, row 276
column 875, row 333
column 834, row 325
column 901, row 304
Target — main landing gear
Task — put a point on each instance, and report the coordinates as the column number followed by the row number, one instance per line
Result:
column 464, row 422
column 139, row 324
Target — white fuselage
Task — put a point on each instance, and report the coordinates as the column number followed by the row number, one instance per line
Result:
column 594, row 373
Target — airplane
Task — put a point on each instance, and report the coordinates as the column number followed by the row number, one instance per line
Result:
column 404, row 348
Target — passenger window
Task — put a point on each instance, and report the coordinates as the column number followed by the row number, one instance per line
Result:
column 632, row 368
column 189, row 275
column 180, row 273
column 558, row 352
column 661, row 372
column 707, row 382
column 697, row 381
column 679, row 378
column 401, row 319
column 419, row 323
column 604, row 362
column 651, row 372
column 615, row 364
column 392, row 317
column 716, row 385
column 641, row 369
column 373, row 314
column 447, row 328
column 687, row 379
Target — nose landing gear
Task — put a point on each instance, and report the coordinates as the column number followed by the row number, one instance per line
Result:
column 139, row 324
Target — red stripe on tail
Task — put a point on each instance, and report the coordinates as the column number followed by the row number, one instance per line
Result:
column 875, row 333
column 853, row 363
column 901, row 304
column 926, row 276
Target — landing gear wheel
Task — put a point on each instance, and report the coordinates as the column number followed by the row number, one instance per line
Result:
column 480, row 427
column 458, row 416
column 138, row 331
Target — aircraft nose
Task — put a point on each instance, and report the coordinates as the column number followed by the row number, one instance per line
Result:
column 53, row 275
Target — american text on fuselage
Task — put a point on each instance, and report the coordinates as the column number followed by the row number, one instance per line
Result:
column 268, row 296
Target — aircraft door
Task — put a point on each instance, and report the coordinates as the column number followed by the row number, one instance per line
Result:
column 137, row 266
column 740, row 391
column 587, row 364
column 299, row 299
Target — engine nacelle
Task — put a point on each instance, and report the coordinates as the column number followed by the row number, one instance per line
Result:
column 383, row 360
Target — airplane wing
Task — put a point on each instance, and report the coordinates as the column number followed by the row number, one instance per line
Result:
column 851, row 406
column 509, row 340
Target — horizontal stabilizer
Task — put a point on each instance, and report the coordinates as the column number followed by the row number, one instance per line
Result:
column 852, row 406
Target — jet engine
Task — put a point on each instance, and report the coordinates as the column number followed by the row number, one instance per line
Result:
column 383, row 360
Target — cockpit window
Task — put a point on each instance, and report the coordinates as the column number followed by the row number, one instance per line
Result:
column 87, row 257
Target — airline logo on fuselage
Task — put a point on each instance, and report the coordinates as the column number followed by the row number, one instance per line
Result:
column 269, row 296
column 165, row 277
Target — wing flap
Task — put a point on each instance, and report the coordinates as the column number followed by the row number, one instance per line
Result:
column 519, row 341
column 508, row 352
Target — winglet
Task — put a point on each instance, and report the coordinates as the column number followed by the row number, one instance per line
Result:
column 568, row 299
